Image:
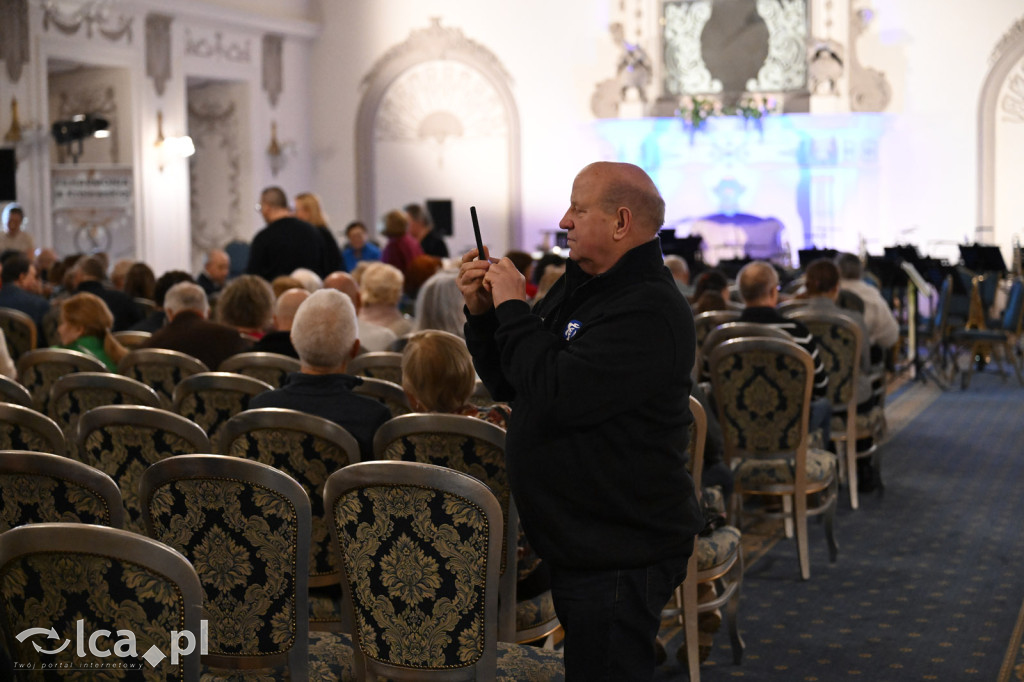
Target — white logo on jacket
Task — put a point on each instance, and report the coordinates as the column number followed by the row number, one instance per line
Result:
column 571, row 329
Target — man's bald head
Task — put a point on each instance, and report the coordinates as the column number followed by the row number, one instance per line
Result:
column 346, row 284
column 285, row 307
column 629, row 186
column 758, row 284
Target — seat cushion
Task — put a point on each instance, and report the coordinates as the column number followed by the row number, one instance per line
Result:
column 331, row 659
column 518, row 662
column 760, row 473
column 717, row 548
column 868, row 424
column 534, row 611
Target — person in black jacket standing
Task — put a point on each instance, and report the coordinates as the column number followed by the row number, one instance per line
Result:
column 286, row 243
column 598, row 375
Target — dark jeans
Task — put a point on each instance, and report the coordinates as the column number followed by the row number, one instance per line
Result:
column 612, row 617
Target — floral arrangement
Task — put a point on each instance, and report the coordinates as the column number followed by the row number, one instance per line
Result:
column 696, row 110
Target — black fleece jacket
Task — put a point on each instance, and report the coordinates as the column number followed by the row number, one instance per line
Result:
column 599, row 380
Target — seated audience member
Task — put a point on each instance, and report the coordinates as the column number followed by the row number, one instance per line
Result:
column 247, row 304
column 278, row 339
column 438, row 376
column 89, row 277
column 708, row 301
column 215, row 272
column 359, row 248
column 307, row 207
column 86, row 326
column 552, row 273
column 680, row 273
column 157, row 318
column 140, row 282
column 372, row 337
column 359, row 269
column 759, row 289
column 714, row 280
column 46, row 261
column 883, row 328
column 524, row 264
column 326, row 335
column 19, row 289
column 401, row 247
column 7, row 367
column 283, row 283
column 188, row 331
column 308, row 280
column 440, row 305
column 119, row 272
column 421, row 228
column 420, row 270
column 13, row 237
column 381, row 289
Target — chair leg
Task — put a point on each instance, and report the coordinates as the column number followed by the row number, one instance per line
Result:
column 787, row 509
column 732, row 615
column 830, row 523
column 799, row 519
column 690, row 630
column 849, row 452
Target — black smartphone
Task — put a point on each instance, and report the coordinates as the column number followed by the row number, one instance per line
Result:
column 476, row 232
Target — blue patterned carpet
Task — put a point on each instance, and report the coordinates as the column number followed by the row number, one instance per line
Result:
column 929, row 583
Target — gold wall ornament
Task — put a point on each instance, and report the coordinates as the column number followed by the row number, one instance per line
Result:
column 275, row 150
column 14, row 132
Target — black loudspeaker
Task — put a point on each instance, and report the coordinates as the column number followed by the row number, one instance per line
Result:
column 440, row 211
column 8, row 165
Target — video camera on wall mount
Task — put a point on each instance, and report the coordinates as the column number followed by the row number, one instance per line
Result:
column 77, row 129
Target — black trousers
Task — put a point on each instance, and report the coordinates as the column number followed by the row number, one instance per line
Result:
column 611, row 618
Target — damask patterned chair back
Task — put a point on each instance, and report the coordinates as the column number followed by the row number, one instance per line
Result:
column 307, row 448
column 762, row 389
column 14, row 393
column 390, row 394
column 22, row 428
column 73, row 395
column 839, row 341
column 734, row 330
column 420, row 549
column 132, row 338
column 706, row 321
column 386, row 365
column 59, row 574
column 271, row 368
column 124, row 440
column 245, row 526
column 161, row 369
column 39, row 369
column 472, row 446
column 211, row 398
column 42, row 488
column 19, row 330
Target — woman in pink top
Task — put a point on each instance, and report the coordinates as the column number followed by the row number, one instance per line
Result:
column 401, row 248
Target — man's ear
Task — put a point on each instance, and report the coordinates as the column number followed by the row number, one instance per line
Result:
column 623, row 223
column 355, row 348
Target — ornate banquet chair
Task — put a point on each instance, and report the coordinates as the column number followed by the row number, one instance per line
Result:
column 420, row 553
column 22, row 428
column 73, row 395
column 390, row 394
column 14, row 393
column 39, row 369
column 1001, row 340
column 82, row 577
column 271, row 368
column 477, row 448
column 386, row 365
column 717, row 560
column 132, row 338
column 706, row 321
column 124, row 440
column 762, row 390
column 19, row 331
column 309, row 449
column 839, row 340
column 733, row 330
column 40, row 487
column 211, row 398
column 245, row 526
column 160, row 368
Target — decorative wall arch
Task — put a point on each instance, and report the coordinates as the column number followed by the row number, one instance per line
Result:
column 433, row 43
column 1006, row 56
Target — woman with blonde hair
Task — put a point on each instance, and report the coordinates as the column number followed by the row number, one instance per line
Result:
column 307, row 207
column 85, row 326
column 381, row 291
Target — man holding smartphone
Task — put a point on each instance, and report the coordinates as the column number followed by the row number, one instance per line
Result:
column 598, row 375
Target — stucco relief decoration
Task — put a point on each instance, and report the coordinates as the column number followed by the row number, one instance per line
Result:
column 99, row 16
column 785, row 67
column 158, row 50
column 685, row 70
column 100, row 101
column 14, row 33
column 1012, row 105
column 213, row 126
column 273, row 73
column 217, row 47
column 439, row 101
column 869, row 88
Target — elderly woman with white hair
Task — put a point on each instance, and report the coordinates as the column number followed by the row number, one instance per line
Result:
column 326, row 336
column 381, row 291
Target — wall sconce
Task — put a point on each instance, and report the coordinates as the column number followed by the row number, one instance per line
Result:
column 77, row 129
column 275, row 151
column 171, row 147
column 14, row 133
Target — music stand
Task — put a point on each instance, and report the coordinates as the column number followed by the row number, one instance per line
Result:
column 919, row 368
column 808, row 256
column 982, row 258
